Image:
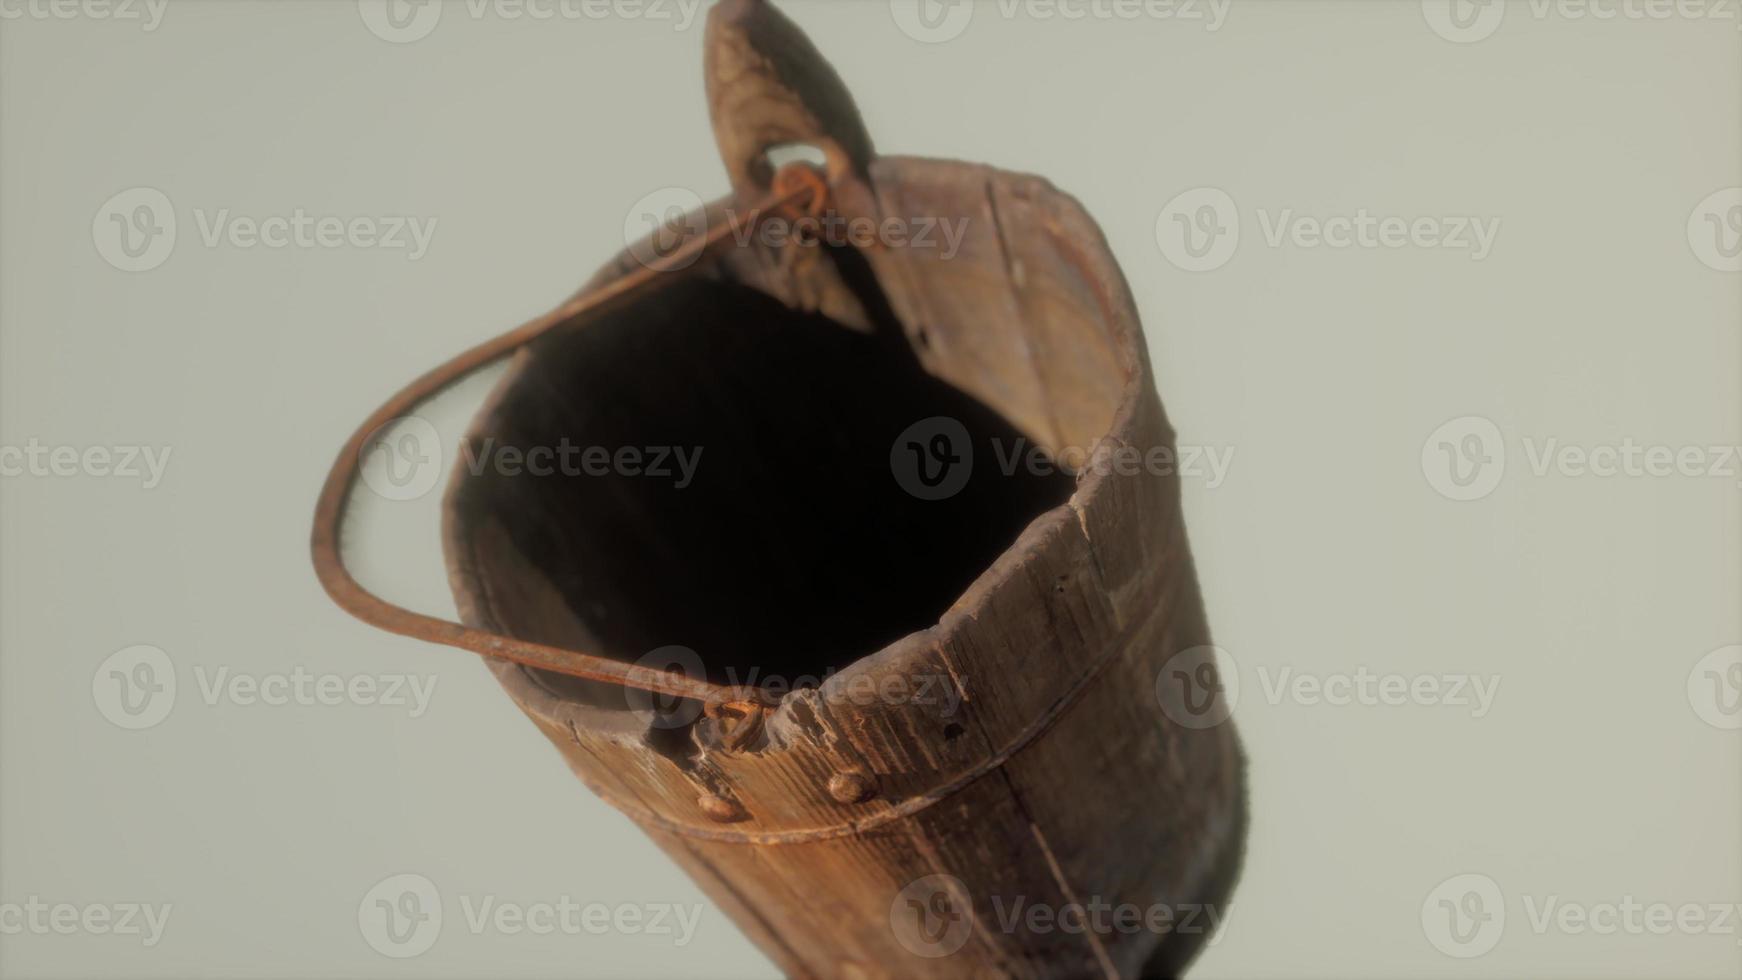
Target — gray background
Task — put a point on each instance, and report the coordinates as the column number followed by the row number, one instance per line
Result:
column 1595, row 318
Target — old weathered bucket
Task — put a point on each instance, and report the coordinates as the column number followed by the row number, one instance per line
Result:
column 905, row 632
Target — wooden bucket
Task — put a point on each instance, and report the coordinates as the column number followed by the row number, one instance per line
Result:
column 897, row 659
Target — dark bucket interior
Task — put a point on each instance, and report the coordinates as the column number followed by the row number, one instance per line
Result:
column 756, row 484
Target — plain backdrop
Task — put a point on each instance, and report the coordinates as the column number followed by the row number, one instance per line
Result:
column 1604, row 312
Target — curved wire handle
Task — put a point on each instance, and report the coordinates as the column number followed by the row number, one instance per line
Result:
column 332, row 508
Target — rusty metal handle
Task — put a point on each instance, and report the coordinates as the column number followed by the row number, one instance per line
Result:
column 332, row 508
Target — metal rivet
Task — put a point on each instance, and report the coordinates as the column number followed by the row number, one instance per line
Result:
column 851, row 786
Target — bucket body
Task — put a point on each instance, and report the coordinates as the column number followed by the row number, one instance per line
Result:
column 930, row 503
